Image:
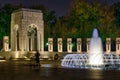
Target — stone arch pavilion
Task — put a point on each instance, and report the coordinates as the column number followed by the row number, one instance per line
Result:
column 27, row 30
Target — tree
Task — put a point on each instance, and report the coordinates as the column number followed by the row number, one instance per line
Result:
column 84, row 16
column 117, row 13
column 5, row 19
column 116, row 7
column 107, row 28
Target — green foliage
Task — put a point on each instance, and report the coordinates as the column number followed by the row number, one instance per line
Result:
column 85, row 16
column 117, row 13
column 5, row 19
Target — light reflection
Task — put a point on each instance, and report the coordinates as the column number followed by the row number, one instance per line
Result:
column 2, row 60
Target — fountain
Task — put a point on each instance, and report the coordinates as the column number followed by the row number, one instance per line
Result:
column 96, row 58
column 96, row 51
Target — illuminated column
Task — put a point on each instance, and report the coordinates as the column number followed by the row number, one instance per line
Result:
column 69, row 45
column 108, row 45
column 88, row 44
column 28, row 45
column 60, row 47
column 117, row 45
column 79, row 43
column 50, row 44
column 6, row 43
column 15, row 40
column 32, row 43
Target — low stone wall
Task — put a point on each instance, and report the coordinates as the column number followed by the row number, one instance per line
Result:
column 13, row 54
column 31, row 54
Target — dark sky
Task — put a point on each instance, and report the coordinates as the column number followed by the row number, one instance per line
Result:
column 61, row 7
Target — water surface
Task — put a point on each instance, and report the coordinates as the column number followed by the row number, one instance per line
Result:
column 51, row 70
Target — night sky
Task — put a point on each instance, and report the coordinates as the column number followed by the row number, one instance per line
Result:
column 61, row 7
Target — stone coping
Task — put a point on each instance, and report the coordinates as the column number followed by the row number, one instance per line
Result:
column 28, row 10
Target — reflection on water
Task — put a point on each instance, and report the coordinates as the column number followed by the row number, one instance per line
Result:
column 51, row 70
column 96, row 74
column 2, row 60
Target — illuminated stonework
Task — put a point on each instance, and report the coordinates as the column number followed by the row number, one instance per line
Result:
column 27, row 30
column 69, row 44
column 79, row 45
column 88, row 44
column 60, row 45
column 118, row 45
column 50, row 44
column 108, row 45
column 6, row 43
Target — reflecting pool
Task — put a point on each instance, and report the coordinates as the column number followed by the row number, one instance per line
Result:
column 51, row 70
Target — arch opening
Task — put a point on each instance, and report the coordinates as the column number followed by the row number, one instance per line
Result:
column 32, row 38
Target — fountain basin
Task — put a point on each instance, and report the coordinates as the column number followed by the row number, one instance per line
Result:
column 110, row 61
